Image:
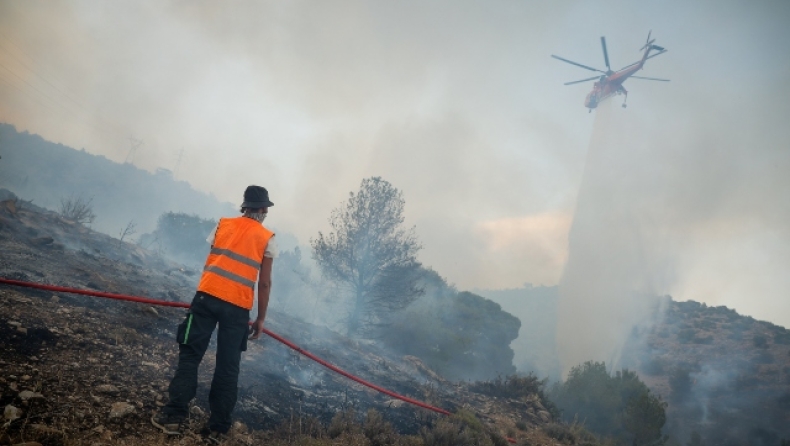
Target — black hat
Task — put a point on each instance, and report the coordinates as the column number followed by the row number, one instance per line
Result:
column 256, row 197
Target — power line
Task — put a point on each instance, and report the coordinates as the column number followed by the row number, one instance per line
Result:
column 21, row 90
column 32, row 70
column 26, row 82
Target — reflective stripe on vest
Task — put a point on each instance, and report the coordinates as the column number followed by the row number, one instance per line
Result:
column 237, row 257
column 229, row 275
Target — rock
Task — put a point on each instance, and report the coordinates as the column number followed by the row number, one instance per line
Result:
column 20, row 299
column 107, row 388
column 394, row 403
column 43, row 429
column 239, row 427
column 544, row 416
column 11, row 413
column 15, row 324
column 22, row 330
column 152, row 310
column 54, row 298
column 28, row 443
column 26, row 395
column 8, row 206
column 120, row 409
column 195, row 410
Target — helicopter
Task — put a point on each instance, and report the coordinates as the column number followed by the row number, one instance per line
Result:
column 611, row 82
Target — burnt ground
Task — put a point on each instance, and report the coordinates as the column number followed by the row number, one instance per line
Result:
column 83, row 370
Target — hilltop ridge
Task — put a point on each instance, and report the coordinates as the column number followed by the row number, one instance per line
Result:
column 46, row 172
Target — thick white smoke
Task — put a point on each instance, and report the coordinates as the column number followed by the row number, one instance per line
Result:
column 616, row 256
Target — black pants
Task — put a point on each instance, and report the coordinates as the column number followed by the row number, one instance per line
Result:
column 193, row 337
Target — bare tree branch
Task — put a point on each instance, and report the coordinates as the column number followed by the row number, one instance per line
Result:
column 78, row 209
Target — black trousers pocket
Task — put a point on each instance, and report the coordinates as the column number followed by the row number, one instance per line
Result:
column 182, row 334
column 244, row 341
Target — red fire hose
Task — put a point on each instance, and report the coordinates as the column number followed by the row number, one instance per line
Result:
column 268, row 332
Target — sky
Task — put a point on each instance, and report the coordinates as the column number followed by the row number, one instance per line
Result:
column 458, row 105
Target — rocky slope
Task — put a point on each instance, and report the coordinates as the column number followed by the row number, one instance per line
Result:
column 725, row 376
column 83, row 370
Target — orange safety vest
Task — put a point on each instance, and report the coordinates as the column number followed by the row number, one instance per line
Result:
column 234, row 261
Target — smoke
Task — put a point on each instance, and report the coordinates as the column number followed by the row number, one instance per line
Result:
column 457, row 103
column 618, row 253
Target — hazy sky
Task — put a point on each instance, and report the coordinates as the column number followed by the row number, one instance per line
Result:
column 456, row 103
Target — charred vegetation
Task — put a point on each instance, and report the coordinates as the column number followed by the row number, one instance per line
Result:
column 82, row 370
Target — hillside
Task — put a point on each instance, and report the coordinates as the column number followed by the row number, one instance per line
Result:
column 82, row 370
column 45, row 173
column 724, row 375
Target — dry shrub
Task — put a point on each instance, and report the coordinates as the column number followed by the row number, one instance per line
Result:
column 378, row 431
column 77, row 209
column 574, row 434
column 344, row 422
column 301, row 428
column 460, row 429
column 559, row 432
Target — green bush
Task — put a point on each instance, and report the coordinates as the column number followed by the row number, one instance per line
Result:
column 559, row 432
column 760, row 341
column 378, row 431
column 620, row 405
column 680, row 384
column 517, row 387
column 686, row 335
column 782, row 337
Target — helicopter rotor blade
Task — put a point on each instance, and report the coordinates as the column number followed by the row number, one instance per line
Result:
column 605, row 53
column 648, row 57
column 583, row 80
column 650, row 78
column 577, row 64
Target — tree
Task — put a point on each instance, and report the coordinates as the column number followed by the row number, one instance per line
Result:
column 183, row 236
column 371, row 254
column 644, row 417
column 618, row 405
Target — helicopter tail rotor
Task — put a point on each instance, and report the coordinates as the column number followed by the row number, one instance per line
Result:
column 648, row 42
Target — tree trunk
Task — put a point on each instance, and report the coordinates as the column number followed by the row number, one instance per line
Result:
column 354, row 321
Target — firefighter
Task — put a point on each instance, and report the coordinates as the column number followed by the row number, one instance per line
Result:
column 242, row 252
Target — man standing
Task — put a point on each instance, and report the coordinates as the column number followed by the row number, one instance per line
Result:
column 242, row 250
